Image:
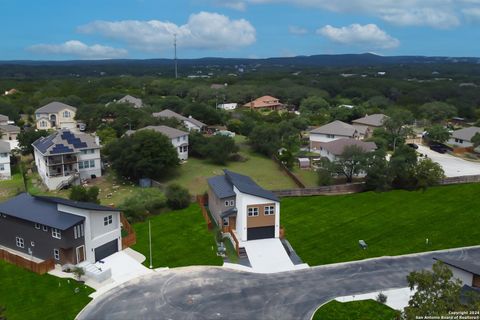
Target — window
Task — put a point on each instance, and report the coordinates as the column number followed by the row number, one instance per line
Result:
column 232, row 203
column 252, row 212
column 3, row 155
column 57, row 234
column 269, row 210
column 20, row 242
column 2, row 167
column 225, row 221
column 66, row 114
column 43, row 124
column 178, row 139
column 75, row 233
column 37, row 226
column 56, row 254
column 81, row 230
column 86, row 164
column 78, row 231
column 107, row 220
column 45, row 228
column 92, row 163
column 227, row 203
column 331, row 136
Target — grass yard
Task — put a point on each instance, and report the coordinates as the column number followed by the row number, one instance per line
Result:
column 9, row 188
column 355, row 310
column 326, row 229
column 179, row 238
column 308, row 177
column 27, row 295
column 193, row 174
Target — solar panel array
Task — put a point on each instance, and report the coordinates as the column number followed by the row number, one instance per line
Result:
column 71, row 139
column 44, row 144
column 60, row 148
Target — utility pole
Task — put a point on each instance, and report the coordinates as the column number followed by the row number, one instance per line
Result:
column 150, row 241
column 175, row 56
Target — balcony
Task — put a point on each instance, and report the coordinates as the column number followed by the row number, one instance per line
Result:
column 56, row 160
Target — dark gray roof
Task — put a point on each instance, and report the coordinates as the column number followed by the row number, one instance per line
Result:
column 336, row 127
column 54, row 107
column 229, row 212
column 464, row 265
column 64, row 141
column 77, row 204
column 35, row 210
column 466, row 133
column 221, row 187
column 374, row 120
column 4, row 147
column 246, row 185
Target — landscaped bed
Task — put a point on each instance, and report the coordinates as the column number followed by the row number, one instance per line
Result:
column 27, row 295
column 358, row 310
column 326, row 229
column 179, row 238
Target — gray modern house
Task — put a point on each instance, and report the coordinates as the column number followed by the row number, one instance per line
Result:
column 68, row 231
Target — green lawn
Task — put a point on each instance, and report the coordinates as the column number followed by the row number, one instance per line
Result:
column 355, row 310
column 326, row 229
column 194, row 173
column 179, row 238
column 308, row 177
column 9, row 188
column 27, row 295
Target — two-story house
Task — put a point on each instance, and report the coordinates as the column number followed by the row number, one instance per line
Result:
column 64, row 158
column 178, row 138
column 56, row 115
column 332, row 131
column 69, row 232
column 265, row 102
column 332, row 150
column 5, row 172
column 369, row 123
column 241, row 206
column 190, row 123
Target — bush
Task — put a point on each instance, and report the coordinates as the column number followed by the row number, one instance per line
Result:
column 382, row 298
column 177, row 197
column 80, row 193
column 324, row 177
column 142, row 204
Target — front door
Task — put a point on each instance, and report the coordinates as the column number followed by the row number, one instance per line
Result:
column 80, row 254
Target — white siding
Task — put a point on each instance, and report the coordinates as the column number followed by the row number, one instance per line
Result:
column 96, row 234
column 464, row 276
column 5, row 172
column 325, row 138
column 460, row 143
column 177, row 142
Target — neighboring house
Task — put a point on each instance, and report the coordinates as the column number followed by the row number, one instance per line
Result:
column 463, row 137
column 67, row 231
column 3, row 119
column 9, row 132
column 190, row 122
column 227, row 106
column 241, row 206
column 265, row 102
column 5, row 172
column 135, row 102
column 56, row 115
column 332, row 131
column 333, row 149
column 178, row 138
column 217, row 86
column 468, row 273
column 367, row 124
column 64, row 158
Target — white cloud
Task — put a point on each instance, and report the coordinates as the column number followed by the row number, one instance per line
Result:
column 472, row 14
column 440, row 14
column 79, row 49
column 297, row 30
column 368, row 36
column 203, row 30
column 235, row 5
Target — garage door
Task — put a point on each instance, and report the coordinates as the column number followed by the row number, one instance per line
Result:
column 106, row 249
column 261, row 233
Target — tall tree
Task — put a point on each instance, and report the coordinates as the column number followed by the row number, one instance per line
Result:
column 27, row 137
column 476, row 140
column 351, row 162
column 396, row 126
column 438, row 111
column 438, row 133
column 428, row 173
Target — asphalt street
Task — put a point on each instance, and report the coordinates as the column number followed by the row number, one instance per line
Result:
column 220, row 293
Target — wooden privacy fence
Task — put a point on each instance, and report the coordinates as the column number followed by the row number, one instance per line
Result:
column 289, row 173
column 324, row 190
column 37, row 267
column 202, row 200
column 461, row 179
column 234, row 237
column 131, row 238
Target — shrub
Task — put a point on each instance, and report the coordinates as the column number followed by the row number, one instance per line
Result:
column 144, row 202
column 177, row 197
column 324, row 177
column 382, row 298
column 80, row 193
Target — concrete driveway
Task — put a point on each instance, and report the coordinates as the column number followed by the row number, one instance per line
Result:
column 453, row 166
column 268, row 256
column 218, row 293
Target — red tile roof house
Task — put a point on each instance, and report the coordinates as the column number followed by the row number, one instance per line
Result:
column 265, row 102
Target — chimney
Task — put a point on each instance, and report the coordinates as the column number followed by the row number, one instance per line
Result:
column 97, row 140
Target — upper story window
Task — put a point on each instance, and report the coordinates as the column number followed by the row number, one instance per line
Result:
column 43, row 124
column 66, row 114
column 252, row 212
column 88, row 151
column 2, row 167
column 107, row 220
column 269, row 210
column 37, row 226
column 20, row 243
column 57, row 234
column 78, row 231
column 178, row 139
column 3, row 155
column 331, row 136
column 45, row 228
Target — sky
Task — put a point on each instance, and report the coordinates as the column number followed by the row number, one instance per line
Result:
column 140, row 29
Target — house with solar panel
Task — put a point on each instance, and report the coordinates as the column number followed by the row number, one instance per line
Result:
column 41, row 228
column 65, row 158
column 56, row 115
column 242, row 207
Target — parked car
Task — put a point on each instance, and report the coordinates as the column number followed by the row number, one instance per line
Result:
column 412, row 145
column 440, row 148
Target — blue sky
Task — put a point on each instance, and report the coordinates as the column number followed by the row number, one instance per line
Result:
column 98, row 29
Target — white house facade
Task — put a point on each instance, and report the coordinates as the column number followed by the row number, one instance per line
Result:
column 5, row 171
column 66, row 158
column 463, row 137
column 330, row 132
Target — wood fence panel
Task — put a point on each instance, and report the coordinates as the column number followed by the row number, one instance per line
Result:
column 37, row 267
